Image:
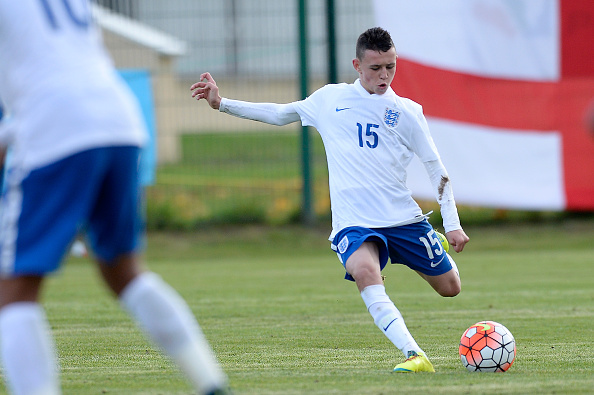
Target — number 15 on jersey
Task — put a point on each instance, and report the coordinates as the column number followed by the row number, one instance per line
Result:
column 371, row 138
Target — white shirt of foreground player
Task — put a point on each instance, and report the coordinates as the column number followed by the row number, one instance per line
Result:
column 59, row 84
column 369, row 140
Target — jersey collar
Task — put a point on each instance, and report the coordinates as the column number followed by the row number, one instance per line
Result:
column 363, row 92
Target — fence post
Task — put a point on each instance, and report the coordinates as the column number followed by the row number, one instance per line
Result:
column 331, row 42
column 307, row 214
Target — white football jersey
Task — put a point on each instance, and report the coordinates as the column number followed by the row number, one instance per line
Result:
column 369, row 139
column 59, row 84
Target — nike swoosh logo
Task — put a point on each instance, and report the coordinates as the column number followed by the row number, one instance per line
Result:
column 342, row 109
column 437, row 264
column 386, row 328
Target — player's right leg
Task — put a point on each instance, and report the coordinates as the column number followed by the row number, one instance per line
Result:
column 416, row 362
column 28, row 354
column 36, row 231
column 363, row 262
column 364, row 266
column 158, row 308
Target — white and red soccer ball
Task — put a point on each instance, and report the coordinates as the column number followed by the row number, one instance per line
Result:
column 487, row 346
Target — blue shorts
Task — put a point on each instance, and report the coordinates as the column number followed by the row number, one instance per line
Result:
column 414, row 245
column 95, row 191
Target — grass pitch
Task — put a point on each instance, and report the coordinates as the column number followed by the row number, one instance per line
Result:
column 281, row 319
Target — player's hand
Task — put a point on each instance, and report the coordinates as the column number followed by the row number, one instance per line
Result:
column 457, row 239
column 207, row 89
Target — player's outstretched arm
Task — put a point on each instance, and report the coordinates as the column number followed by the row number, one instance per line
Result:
column 271, row 113
column 207, row 89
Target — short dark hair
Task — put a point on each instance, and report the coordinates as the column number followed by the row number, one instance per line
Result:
column 376, row 39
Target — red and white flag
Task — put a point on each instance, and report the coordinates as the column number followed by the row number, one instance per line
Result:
column 504, row 85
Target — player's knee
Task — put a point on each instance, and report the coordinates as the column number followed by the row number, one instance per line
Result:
column 365, row 274
column 450, row 289
column 118, row 274
column 450, row 293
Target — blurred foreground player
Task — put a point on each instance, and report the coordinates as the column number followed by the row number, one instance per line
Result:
column 3, row 142
column 370, row 135
column 77, row 133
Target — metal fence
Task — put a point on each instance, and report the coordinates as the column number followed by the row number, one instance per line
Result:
column 213, row 167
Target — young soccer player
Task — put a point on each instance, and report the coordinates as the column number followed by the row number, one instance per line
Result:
column 76, row 137
column 370, row 135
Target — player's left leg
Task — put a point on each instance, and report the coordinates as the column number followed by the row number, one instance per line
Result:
column 447, row 284
column 114, row 232
column 167, row 320
column 418, row 247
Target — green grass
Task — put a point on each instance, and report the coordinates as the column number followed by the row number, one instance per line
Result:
column 282, row 320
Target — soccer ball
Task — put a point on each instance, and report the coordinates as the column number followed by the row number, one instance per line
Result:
column 487, row 346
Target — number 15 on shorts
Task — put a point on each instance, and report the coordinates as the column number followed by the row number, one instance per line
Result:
column 432, row 244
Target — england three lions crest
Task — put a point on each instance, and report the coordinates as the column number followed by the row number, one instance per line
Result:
column 391, row 117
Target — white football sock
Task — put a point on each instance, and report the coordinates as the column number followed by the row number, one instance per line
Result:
column 28, row 353
column 167, row 319
column 388, row 318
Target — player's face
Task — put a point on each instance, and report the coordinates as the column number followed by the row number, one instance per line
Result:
column 376, row 70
